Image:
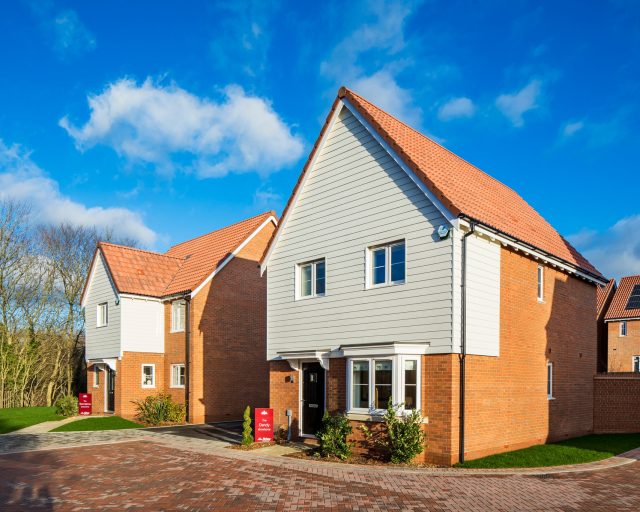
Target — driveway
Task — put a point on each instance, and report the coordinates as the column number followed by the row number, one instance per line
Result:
column 145, row 470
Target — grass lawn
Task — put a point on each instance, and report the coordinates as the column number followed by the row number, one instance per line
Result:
column 15, row 418
column 572, row 451
column 99, row 423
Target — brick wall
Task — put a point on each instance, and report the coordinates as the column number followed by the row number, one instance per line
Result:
column 229, row 369
column 623, row 348
column 97, row 393
column 616, row 403
column 284, row 393
column 129, row 380
column 174, row 353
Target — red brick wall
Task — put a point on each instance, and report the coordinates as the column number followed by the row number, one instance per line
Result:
column 284, row 393
column 97, row 394
column 616, row 403
column 623, row 348
column 174, row 350
column 129, row 381
column 229, row 369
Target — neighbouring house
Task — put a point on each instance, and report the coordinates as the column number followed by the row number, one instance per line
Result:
column 189, row 322
column 401, row 272
column 603, row 301
column 623, row 326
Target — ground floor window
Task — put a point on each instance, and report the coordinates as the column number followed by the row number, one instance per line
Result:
column 549, row 380
column 636, row 363
column 177, row 375
column 96, row 376
column 148, row 375
column 375, row 381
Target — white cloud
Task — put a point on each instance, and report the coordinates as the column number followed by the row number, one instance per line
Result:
column 266, row 198
column 69, row 36
column 516, row 104
column 21, row 179
column 168, row 128
column 456, row 108
column 570, row 129
column 615, row 251
column 367, row 60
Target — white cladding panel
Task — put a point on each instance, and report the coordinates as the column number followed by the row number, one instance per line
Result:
column 354, row 197
column 142, row 325
column 483, row 296
column 101, row 342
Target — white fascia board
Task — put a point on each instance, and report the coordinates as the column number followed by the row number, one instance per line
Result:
column 271, row 218
column 91, row 274
column 451, row 218
column 140, row 297
column 294, row 199
column 622, row 319
column 386, row 349
column 531, row 251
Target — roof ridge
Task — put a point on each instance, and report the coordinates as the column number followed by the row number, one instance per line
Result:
column 136, row 249
column 433, row 141
column 270, row 212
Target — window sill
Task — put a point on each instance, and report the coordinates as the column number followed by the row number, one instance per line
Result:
column 551, row 398
column 308, row 297
column 176, row 387
column 148, row 387
column 101, row 326
column 385, row 285
column 176, row 332
column 364, row 416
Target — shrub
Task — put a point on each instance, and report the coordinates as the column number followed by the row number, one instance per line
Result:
column 67, row 405
column 332, row 436
column 404, row 436
column 247, row 431
column 159, row 409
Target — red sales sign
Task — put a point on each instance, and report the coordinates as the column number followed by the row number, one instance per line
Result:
column 84, row 404
column 263, row 425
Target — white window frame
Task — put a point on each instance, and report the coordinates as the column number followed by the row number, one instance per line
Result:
column 540, row 283
column 96, row 376
column 173, row 382
column 550, row 381
column 153, row 375
column 387, row 262
column 175, row 317
column 624, row 329
column 635, row 359
column 313, row 264
column 397, row 383
column 102, row 319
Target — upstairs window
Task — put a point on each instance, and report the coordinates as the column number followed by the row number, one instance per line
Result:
column 102, row 315
column 623, row 328
column 540, row 283
column 177, row 315
column 177, row 375
column 634, row 298
column 148, row 375
column 312, row 279
column 550, row 381
column 636, row 364
column 387, row 264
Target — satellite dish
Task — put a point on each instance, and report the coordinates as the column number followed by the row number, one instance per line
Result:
column 443, row 232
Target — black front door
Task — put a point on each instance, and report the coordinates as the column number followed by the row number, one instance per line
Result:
column 111, row 389
column 312, row 397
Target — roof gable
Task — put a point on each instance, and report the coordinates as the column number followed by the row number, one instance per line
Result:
column 618, row 308
column 604, row 295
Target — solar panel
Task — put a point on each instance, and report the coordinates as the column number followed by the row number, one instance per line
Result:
column 634, row 299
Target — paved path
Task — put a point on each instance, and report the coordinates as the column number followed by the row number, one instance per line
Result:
column 146, row 470
column 48, row 426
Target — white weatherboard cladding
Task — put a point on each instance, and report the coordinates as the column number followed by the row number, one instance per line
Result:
column 142, row 325
column 101, row 342
column 356, row 196
column 483, row 296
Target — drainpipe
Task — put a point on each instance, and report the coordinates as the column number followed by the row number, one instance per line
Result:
column 463, row 337
column 187, row 355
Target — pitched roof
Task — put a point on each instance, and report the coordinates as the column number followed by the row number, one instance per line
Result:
column 183, row 267
column 466, row 190
column 602, row 295
column 463, row 189
column 618, row 307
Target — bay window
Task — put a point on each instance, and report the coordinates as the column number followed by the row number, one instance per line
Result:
column 374, row 381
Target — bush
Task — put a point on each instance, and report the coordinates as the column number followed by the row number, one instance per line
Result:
column 247, row 431
column 67, row 405
column 404, row 436
column 332, row 436
column 159, row 409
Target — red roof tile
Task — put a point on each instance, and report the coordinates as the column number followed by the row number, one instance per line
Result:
column 603, row 293
column 466, row 190
column 183, row 267
column 618, row 307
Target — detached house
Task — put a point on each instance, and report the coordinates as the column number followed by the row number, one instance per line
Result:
column 190, row 322
column 623, row 326
column 400, row 272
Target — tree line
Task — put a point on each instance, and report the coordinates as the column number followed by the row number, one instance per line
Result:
column 42, row 275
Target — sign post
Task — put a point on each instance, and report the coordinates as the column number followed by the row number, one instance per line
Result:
column 263, row 428
column 84, row 404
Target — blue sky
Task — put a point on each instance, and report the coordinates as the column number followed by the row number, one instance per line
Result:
column 167, row 119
